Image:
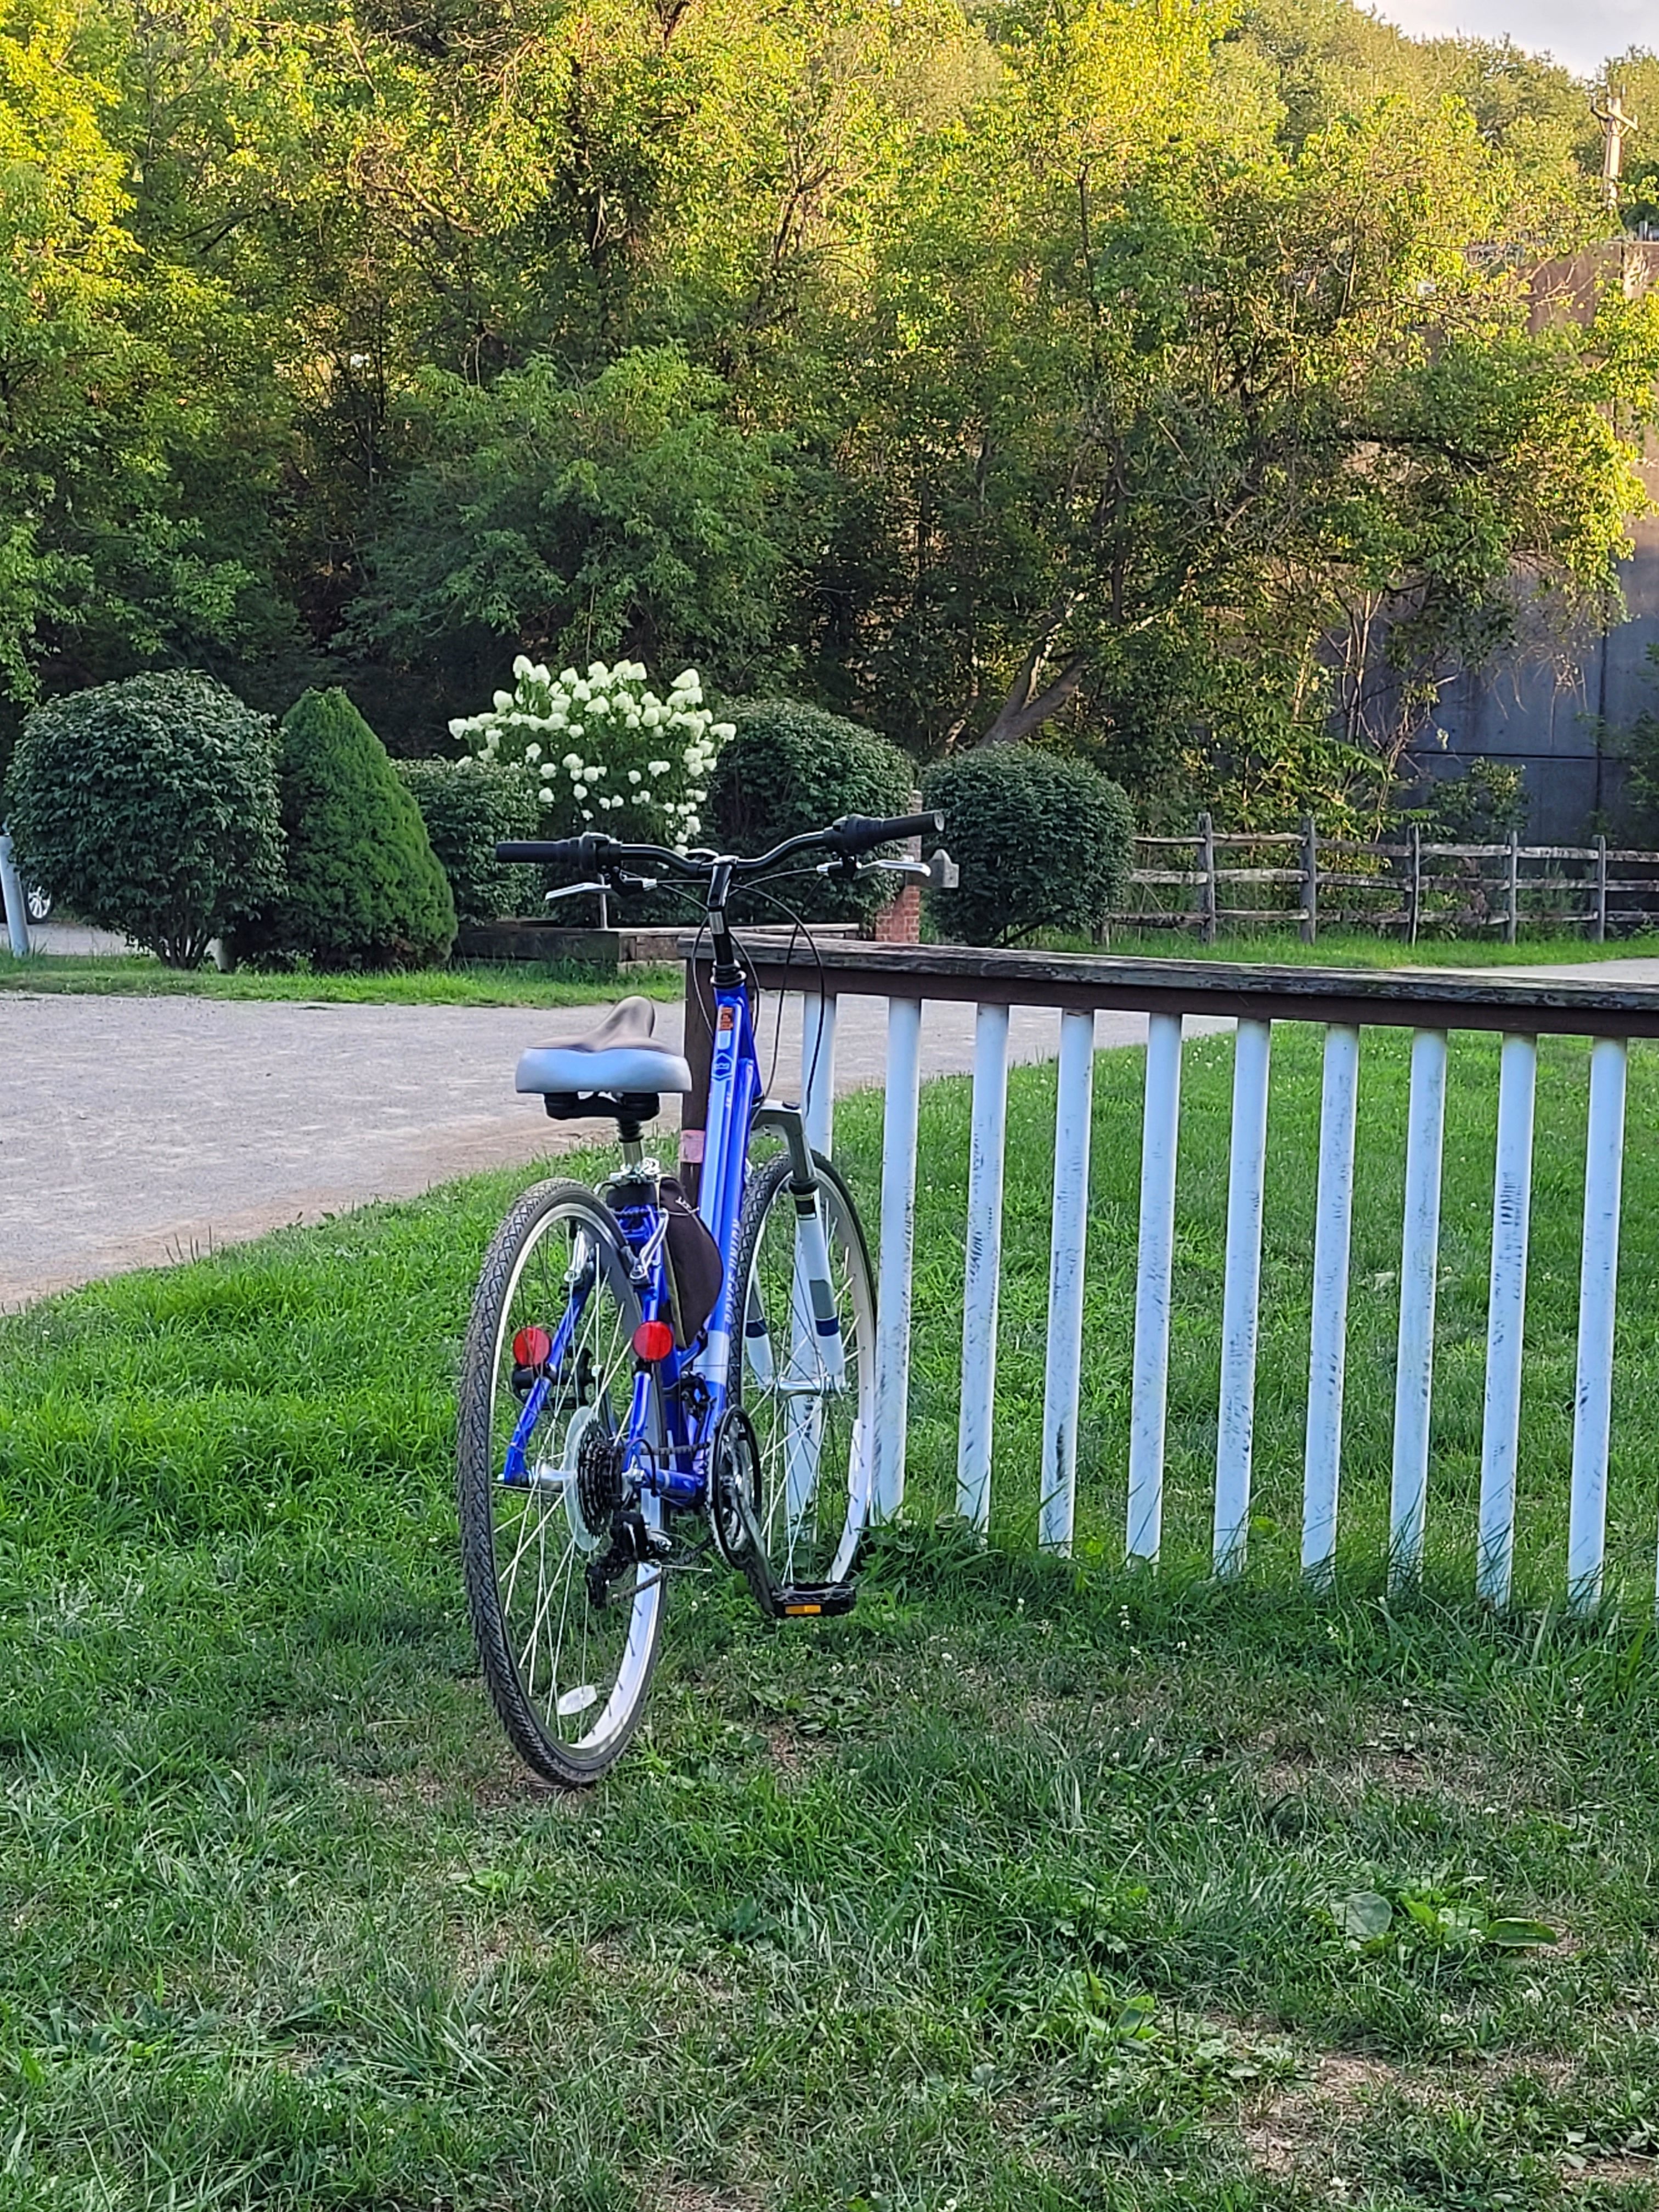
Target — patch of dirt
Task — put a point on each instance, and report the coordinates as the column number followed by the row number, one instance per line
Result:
column 1286, row 2132
column 699, row 2197
column 1619, row 2172
column 791, row 1754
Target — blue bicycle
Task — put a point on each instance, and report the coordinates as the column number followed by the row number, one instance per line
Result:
column 646, row 1381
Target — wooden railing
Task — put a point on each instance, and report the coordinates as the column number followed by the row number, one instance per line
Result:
column 1407, row 883
column 1428, row 1003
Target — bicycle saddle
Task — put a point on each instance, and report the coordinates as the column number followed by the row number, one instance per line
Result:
column 617, row 1058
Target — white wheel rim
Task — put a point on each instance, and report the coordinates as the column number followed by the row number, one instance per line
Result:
column 550, row 1503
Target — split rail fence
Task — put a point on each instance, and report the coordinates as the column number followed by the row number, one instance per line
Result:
column 1345, row 1004
column 1408, row 883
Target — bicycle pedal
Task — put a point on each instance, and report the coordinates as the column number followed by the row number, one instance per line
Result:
column 805, row 1601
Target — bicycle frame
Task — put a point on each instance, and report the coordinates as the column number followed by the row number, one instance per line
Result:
column 690, row 1383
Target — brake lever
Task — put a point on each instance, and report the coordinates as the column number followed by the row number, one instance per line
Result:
column 572, row 890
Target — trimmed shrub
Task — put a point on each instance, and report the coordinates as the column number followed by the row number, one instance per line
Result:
column 1042, row 842
column 364, row 889
column 467, row 808
column 150, row 806
column 789, row 768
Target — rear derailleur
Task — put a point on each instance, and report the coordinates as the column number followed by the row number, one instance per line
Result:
column 634, row 1543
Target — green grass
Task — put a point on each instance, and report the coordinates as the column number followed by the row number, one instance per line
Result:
column 519, row 983
column 1014, row 1889
column 466, row 983
column 1352, row 948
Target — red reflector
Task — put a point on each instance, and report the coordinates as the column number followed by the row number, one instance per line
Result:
column 653, row 1340
column 533, row 1347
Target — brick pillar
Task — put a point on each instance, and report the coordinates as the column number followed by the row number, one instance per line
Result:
column 901, row 923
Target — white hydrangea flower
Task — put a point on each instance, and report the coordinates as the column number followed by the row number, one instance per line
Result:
column 547, row 797
column 587, row 814
column 532, row 752
column 573, row 762
column 581, row 793
column 575, row 730
column 581, row 692
column 721, row 732
column 658, row 767
column 598, row 672
column 459, row 728
column 567, row 678
column 594, row 771
column 598, row 704
column 503, row 701
column 632, row 776
column 523, row 666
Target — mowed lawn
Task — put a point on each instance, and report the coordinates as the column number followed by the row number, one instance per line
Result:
column 1031, row 1884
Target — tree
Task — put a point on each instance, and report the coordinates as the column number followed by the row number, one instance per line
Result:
column 620, row 515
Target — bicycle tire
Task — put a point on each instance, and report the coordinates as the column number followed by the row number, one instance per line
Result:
column 516, row 1290
column 813, row 1535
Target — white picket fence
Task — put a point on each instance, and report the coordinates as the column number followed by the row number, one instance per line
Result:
column 1430, row 1004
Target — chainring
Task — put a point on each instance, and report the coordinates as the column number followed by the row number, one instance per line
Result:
column 734, row 1471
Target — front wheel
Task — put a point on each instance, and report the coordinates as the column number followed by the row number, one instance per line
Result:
column 802, row 1366
column 568, row 1639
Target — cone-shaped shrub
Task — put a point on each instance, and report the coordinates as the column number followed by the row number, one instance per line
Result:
column 364, row 889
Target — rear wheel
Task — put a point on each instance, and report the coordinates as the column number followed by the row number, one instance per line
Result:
column 809, row 1388
column 568, row 1674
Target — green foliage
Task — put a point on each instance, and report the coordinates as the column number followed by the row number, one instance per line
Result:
column 150, row 807
column 1479, row 807
column 1438, row 1914
column 1155, row 377
column 1043, row 843
column 468, row 808
column 364, row 889
column 790, row 767
column 620, row 515
column 1638, row 746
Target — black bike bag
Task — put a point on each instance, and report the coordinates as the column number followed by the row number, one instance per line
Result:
column 695, row 1270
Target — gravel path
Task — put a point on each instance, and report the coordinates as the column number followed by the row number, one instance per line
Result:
column 135, row 1131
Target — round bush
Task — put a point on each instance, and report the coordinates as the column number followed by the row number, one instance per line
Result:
column 468, row 807
column 364, row 889
column 789, row 768
column 149, row 806
column 1042, row 842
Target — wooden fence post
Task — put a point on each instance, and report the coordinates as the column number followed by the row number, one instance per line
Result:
column 1512, row 889
column 1206, row 889
column 1414, row 893
column 1600, row 890
column 1310, row 882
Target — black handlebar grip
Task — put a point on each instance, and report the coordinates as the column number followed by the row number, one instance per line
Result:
column 859, row 832
column 541, row 849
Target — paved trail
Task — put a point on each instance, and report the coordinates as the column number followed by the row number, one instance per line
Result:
column 138, row 1130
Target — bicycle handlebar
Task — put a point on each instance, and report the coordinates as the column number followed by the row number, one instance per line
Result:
column 852, row 835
